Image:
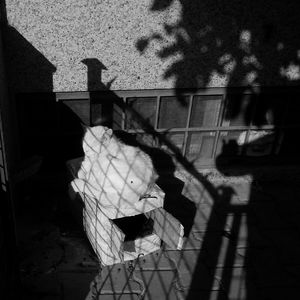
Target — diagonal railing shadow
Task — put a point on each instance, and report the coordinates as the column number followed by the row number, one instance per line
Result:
column 220, row 236
column 219, row 195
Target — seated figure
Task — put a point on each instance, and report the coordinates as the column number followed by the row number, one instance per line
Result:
column 112, row 172
column 116, row 180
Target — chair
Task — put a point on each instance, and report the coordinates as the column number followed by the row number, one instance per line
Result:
column 107, row 239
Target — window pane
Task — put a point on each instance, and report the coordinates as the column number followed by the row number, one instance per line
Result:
column 200, row 145
column 228, row 143
column 239, row 109
column 172, row 114
column 146, row 139
column 80, row 108
column 102, row 109
column 177, row 140
column 145, row 108
column 269, row 109
column 262, row 109
column 205, row 111
column 117, row 118
column 258, row 143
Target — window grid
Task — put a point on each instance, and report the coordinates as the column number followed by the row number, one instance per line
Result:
column 216, row 130
column 219, row 123
column 244, row 149
column 158, row 100
column 187, row 125
column 187, row 130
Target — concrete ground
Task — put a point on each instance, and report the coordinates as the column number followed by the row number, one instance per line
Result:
column 242, row 242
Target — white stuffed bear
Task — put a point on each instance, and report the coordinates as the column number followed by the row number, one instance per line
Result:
column 113, row 173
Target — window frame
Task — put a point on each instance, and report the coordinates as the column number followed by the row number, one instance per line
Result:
column 190, row 93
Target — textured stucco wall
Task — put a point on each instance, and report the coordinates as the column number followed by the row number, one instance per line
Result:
column 68, row 31
column 150, row 44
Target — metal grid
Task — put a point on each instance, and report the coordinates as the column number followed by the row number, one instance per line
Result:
column 220, row 130
column 3, row 167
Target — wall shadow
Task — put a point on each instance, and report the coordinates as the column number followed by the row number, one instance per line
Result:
column 28, row 69
column 43, row 127
column 40, row 149
column 239, row 56
column 103, row 110
column 103, row 105
column 179, row 206
column 264, row 221
column 236, row 40
column 253, row 45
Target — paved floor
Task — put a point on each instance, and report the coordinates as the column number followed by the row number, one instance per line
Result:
column 242, row 242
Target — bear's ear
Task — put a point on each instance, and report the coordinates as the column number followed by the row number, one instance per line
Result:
column 109, row 131
column 107, row 134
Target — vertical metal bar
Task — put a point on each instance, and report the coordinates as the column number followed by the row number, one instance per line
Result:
column 244, row 148
column 187, row 125
column 158, row 100
column 221, row 112
column 219, row 124
column 124, row 113
column 278, row 141
column 217, row 135
column 91, row 111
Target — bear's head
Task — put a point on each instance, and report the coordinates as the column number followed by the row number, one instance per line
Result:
column 96, row 139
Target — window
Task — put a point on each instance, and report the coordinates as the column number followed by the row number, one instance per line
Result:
column 200, row 145
column 207, row 125
column 74, row 112
column 145, row 107
column 205, row 111
column 172, row 114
